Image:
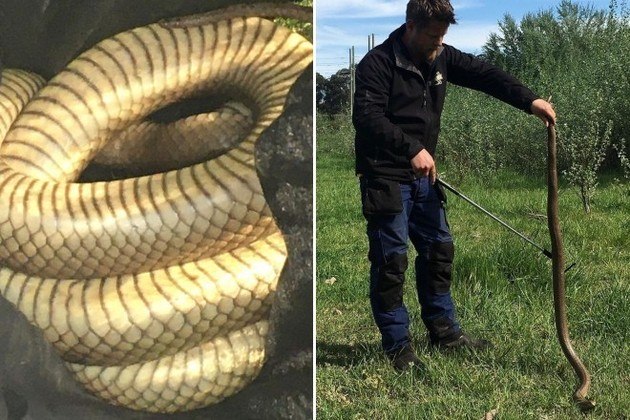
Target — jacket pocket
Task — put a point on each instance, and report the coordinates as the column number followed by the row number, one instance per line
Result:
column 381, row 197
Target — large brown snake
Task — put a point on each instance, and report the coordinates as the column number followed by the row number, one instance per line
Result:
column 559, row 299
column 155, row 290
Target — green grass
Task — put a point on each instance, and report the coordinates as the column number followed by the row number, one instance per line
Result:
column 503, row 291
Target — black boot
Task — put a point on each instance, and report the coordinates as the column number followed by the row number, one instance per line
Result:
column 444, row 334
column 404, row 359
column 463, row 340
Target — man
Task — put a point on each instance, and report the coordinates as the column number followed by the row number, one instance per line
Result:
column 400, row 91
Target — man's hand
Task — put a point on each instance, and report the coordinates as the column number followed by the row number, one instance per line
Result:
column 544, row 110
column 423, row 163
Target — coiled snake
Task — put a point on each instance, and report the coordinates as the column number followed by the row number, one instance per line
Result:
column 559, row 299
column 155, row 290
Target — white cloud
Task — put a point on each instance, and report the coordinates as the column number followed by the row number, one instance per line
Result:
column 360, row 9
column 467, row 4
column 333, row 42
column 335, row 36
column 470, row 36
column 466, row 36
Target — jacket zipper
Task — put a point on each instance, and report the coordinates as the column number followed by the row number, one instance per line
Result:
column 425, row 103
column 425, row 99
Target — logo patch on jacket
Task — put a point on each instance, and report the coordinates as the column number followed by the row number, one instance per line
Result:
column 438, row 79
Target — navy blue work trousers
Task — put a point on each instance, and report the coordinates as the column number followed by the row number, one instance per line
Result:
column 423, row 221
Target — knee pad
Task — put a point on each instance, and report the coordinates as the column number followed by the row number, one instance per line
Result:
column 439, row 264
column 391, row 277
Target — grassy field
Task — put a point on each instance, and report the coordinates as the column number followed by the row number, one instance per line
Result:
column 503, row 290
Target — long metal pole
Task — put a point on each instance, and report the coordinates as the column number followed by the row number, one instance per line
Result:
column 487, row 213
column 352, row 79
column 353, row 74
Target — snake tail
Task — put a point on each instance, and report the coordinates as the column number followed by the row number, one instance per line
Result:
column 263, row 10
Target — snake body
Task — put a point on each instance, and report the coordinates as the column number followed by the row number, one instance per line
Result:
column 559, row 298
column 139, row 150
column 155, row 290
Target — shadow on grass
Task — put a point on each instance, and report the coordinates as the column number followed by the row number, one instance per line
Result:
column 346, row 354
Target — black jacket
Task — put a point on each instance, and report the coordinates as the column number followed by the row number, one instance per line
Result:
column 397, row 110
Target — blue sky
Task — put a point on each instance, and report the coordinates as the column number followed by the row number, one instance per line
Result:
column 341, row 24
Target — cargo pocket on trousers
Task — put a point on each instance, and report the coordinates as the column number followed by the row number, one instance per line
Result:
column 381, row 197
column 441, row 193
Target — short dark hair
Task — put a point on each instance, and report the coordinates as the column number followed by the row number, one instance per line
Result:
column 423, row 11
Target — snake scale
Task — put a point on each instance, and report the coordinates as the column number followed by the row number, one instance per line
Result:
column 156, row 289
column 559, row 298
